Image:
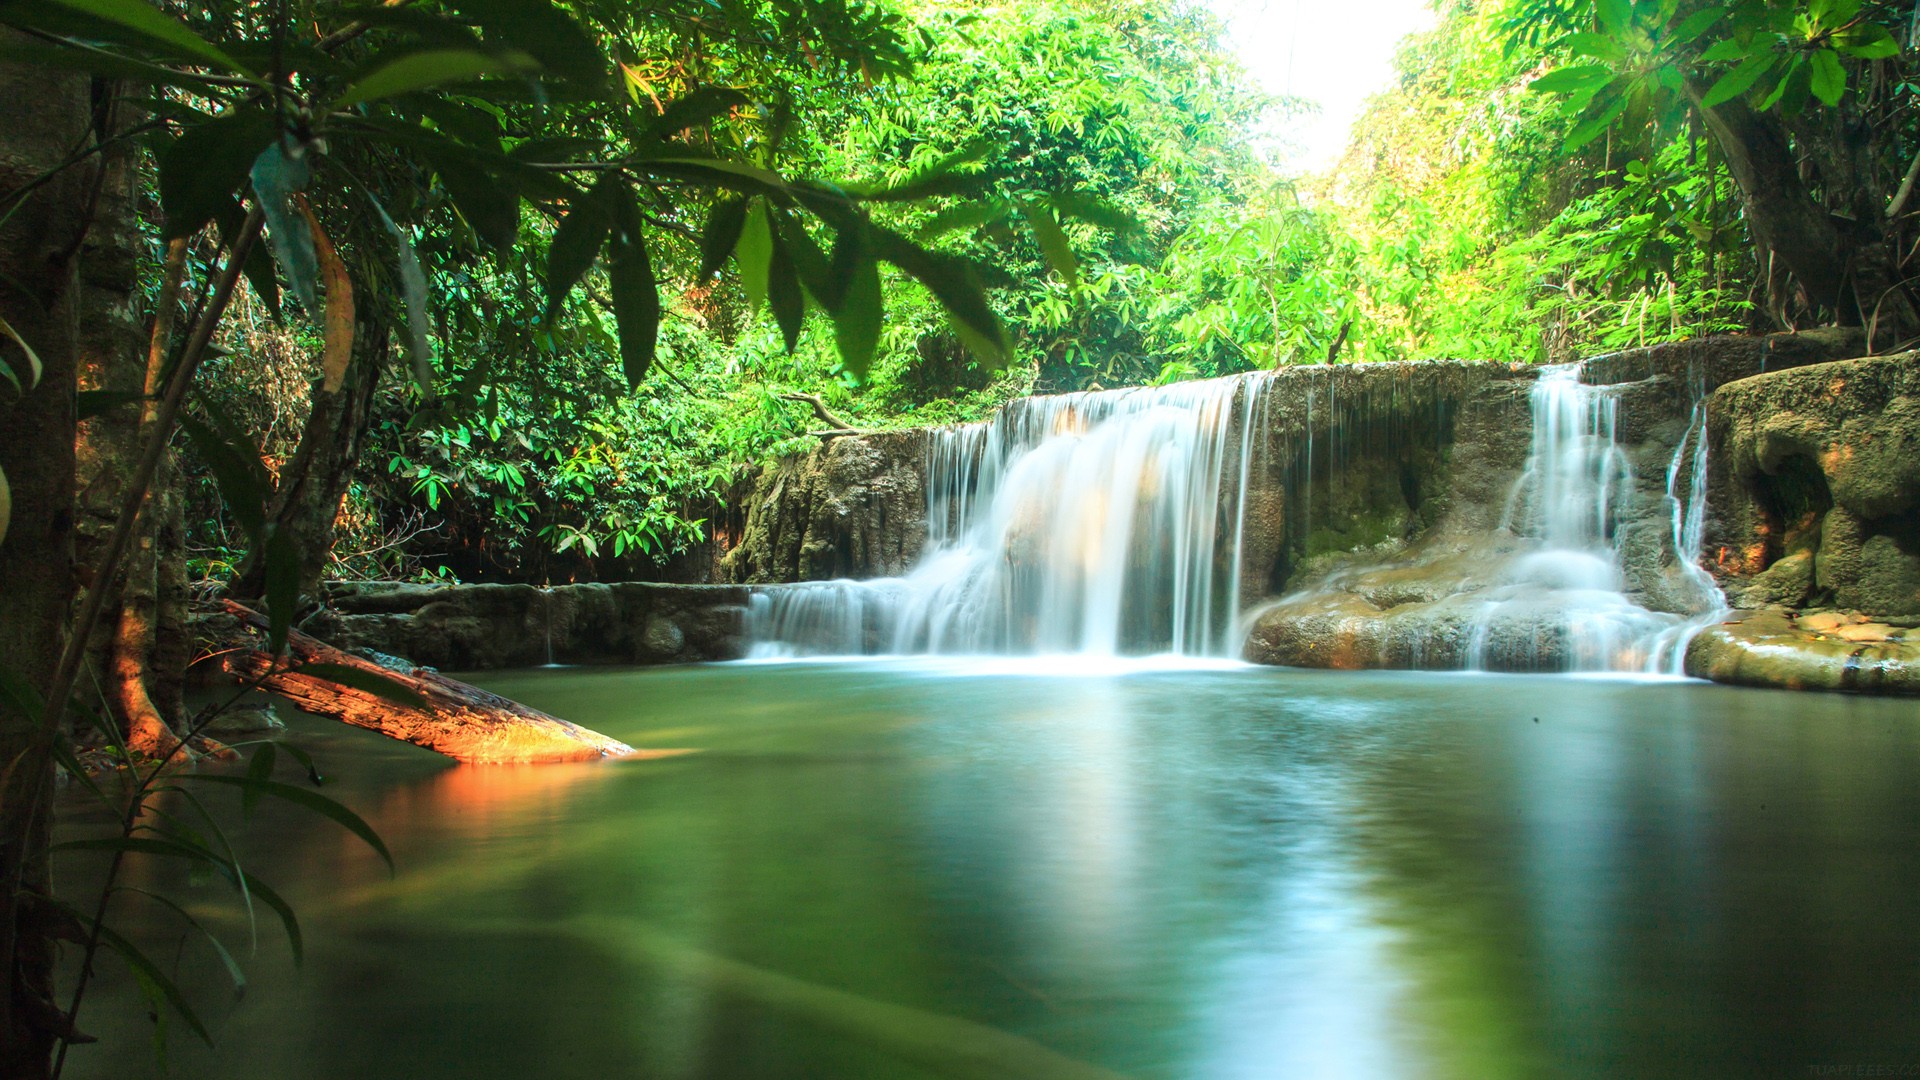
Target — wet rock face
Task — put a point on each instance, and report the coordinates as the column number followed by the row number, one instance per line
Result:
column 486, row 627
column 854, row 508
column 1815, row 490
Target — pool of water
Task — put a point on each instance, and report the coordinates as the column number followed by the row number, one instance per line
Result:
column 920, row 869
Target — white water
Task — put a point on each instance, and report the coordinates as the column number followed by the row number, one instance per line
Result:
column 1087, row 524
column 1113, row 524
column 1572, row 499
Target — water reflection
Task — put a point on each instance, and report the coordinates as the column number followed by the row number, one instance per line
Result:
column 878, row 870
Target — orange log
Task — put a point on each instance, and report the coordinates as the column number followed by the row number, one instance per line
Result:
column 463, row 722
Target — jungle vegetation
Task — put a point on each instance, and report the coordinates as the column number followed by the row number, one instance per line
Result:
column 516, row 289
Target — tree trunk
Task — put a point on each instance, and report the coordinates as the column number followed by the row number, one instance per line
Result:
column 463, row 722
column 118, row 355
column 45, row 120
column 1842, row 263
column 315, row 479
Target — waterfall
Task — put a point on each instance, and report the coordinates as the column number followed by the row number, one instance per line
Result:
column 1563, row 603
column 1103, row 523
column 1139, row 522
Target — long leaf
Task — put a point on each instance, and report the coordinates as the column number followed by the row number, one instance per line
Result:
column 144, row 20
column 283, row 586
column 636, row 296
column 725, row 223
column 296, row 943
column 1829, row 78
column 1739, row 80
column 1053, row 243
column 697, row 109
column 856, row 326
column 311, row 800
column 754, row 253
column 435, row 67
column 413, row 289
column 541, row 28
column 234, row 972
column 236, row 467
column 337, row 339
column 578, row 240
column 278, row 176
column 34, row 367
column 789, row 304
column 200, row 170
column 151, row 976
column 955, row 284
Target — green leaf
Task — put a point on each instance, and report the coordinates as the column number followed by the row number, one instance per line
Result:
column 236, row 467
column 754, row 253
column 258, row 267
column 435, row 67
column 824, row 281
column 636, row 296
column 490, row 207
column 1095, row 211
column 697, row 109
column 413, row 292
column 789, row 304
column 1596, row 123
column 306, row 759
column 1696, row 24
column 1739, row 80
column 1053, row 243
column 720, row 172
column 145, row 21
column 856, row 326
column 1571, row 79
column 725, row 225
column 299, row 796
column 956, row 285
column 201, row 170
column 1795, row 87
column 1829, row 79
column 1598, row 46
column 234, row 972
column 260, row 891
column 542, row 29
column 578, row 240
column 152, row 978
column 372, row 682
column 34, row 367
column 1616, row 16
column 1867, row 41
column 1727, row 49
column 966, row 215
column 283, row 587
column 277, row 174
column 259, row 767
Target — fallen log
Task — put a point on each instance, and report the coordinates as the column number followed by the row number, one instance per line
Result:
column 463, row 722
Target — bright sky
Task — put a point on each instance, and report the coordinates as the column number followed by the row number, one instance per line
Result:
column 1335, row 54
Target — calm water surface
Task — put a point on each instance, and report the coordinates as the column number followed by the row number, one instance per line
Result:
column 903, row 869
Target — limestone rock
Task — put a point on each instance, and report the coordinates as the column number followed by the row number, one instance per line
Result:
column 1817, row 652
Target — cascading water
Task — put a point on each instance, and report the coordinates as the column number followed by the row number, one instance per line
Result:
column 1571, row 500
column 1085, row 523
column 1118, row 523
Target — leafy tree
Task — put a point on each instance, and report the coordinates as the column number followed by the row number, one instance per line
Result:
column 1809, row 106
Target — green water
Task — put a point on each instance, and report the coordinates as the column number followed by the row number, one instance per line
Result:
column 890, row 869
